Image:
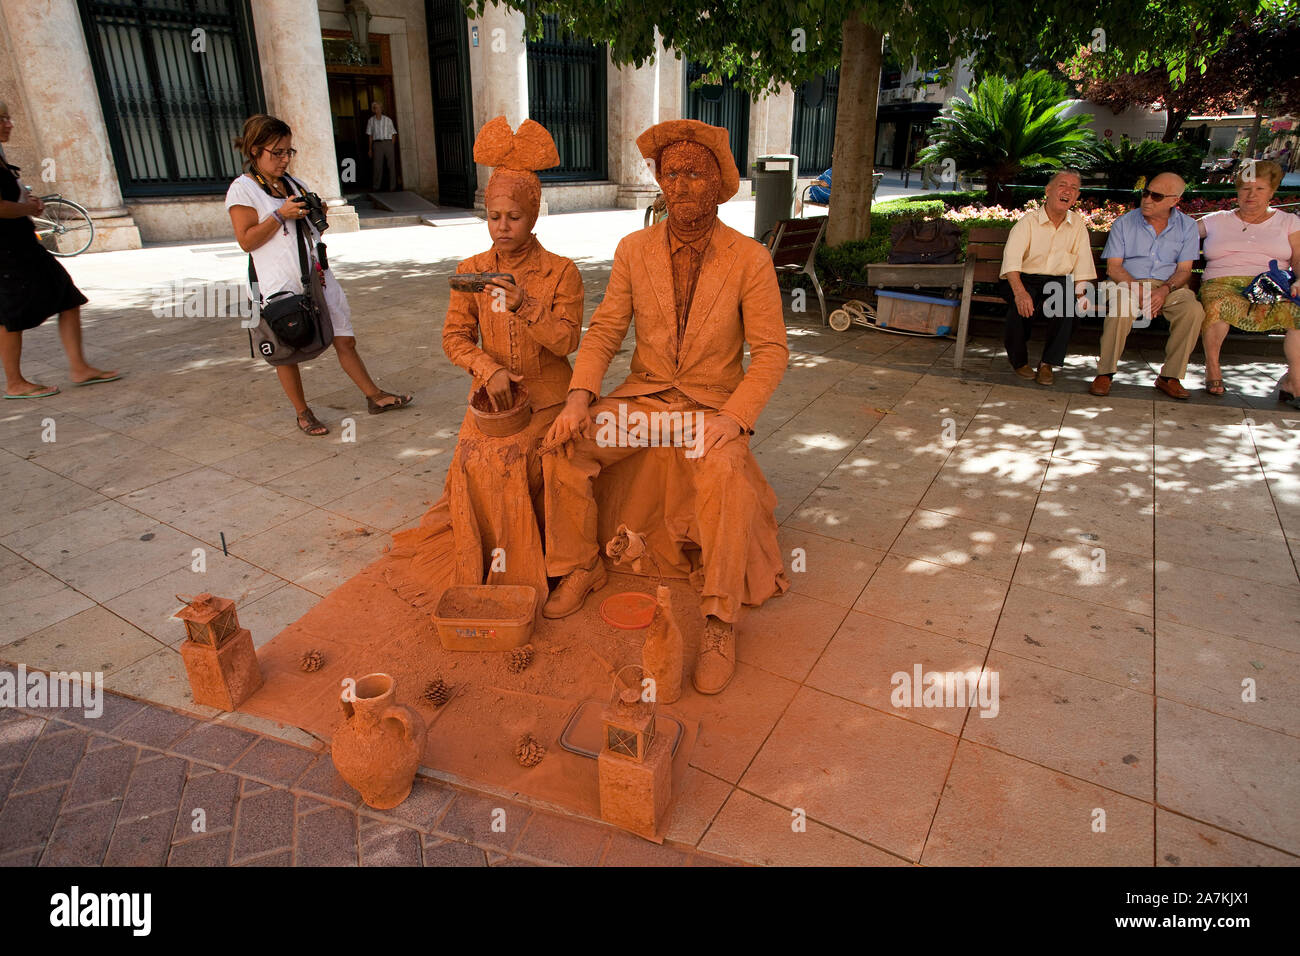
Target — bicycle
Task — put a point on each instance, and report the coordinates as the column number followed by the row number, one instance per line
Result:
column 64, row 227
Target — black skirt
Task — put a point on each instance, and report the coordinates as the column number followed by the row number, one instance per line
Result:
column 33, row 286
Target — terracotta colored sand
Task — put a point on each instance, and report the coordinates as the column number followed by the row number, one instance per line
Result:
column 363, row 627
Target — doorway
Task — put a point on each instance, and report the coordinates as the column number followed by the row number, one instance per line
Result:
column 350, row 99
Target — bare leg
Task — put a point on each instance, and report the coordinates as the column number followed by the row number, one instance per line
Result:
column 1291, row 347
column 345, row 346
column 70, row 335
column 1212, row 340
column 11, row 353
column 291, row 381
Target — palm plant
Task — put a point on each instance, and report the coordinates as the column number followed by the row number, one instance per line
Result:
column 1004, row 125
column 1122, row 164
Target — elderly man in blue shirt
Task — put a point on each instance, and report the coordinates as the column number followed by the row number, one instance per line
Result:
column 1149, row 257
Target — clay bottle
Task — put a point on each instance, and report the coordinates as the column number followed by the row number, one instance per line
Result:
column 377, row 748
column 661, row 655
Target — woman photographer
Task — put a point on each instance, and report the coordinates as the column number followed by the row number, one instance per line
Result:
column 264, row 210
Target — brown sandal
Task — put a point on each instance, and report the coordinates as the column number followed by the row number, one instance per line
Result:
column 1214, row 386
column 309, row 424
column 376, row 409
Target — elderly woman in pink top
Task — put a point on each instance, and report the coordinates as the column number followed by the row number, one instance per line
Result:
column 1239, row 245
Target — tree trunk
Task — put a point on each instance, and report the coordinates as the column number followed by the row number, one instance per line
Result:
column 1174, row 120
column 853, row 157
column 1254, row 132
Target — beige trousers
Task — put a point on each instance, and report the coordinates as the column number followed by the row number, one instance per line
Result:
column 1182, row 311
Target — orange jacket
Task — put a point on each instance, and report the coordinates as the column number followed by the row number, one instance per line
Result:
column 534, row 340
column 736, row 300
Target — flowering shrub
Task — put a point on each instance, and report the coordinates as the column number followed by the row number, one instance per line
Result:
column 1097, row 215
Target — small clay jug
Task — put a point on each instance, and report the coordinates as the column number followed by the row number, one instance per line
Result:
column 378, row 746
column 662, row 653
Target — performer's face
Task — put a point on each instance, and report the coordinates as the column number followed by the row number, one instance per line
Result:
column 690, row 179
column 508, row 223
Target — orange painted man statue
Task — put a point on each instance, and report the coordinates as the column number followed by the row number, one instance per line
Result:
column 698, row 291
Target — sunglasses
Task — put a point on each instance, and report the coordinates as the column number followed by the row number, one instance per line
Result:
column 1159, row 197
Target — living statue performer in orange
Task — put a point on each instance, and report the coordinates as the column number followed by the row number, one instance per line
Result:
column 487, row 526
column 697, row 291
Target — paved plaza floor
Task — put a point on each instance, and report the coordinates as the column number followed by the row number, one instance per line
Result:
column 1125, row 567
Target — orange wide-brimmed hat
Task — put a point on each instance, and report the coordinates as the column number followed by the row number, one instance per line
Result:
column 714, row 138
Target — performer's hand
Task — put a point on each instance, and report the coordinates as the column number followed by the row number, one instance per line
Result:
column 498, row 389
column 1024, row 303
column 1156, row 301
column 514, row 296
column 574, row 421
column 717, row 430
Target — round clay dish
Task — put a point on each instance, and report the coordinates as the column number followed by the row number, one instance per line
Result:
column 629, row 610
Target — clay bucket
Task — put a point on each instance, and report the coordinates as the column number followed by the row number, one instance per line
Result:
column 502, row 424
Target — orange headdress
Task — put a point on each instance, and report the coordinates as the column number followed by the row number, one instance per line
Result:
column 516, row 157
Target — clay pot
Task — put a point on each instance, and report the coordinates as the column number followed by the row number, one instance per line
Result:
column 377, row 748
column 502, row 424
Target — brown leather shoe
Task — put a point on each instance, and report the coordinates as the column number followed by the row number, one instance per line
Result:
column 572, row 591
column 1171, row 387
column 1100, row 386
column 1044, row 376
column 1025, row 371
column 716, row 663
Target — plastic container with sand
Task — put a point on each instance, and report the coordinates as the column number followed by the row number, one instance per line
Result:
column 485, row 617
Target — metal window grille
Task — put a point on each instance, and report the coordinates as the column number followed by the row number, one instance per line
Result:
column 720, row 105
column 566, row 94
column 815, row 105
column 173, row 97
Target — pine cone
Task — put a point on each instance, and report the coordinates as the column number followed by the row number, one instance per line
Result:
column 529, row 751
column 437, row 692
column 520, row 658
column 312, row 660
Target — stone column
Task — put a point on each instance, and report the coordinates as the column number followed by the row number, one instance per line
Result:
column 293, row 74
column 771, row 126
column 499, row 75
column 57, row 83
column 638, row 110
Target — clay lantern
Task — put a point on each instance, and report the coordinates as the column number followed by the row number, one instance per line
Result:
column 629, row 723
column 634, row 766
column 209, row 620
column 219, row 657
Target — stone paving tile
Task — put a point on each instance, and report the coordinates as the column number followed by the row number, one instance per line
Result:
column 213, row 744
column 81, row 836
column 555, row 839
column 326, row 838
column 28, row 818
column 624, row 849
column 53, row 759
column 141, row 840
column 155, row 786
column 322, row 780
column 17, row 736
column 101, row 776
column 155, row 727
column 388, row 844
column 213, row 793
column 263, row 822
column 212, row 849
column 274, row 762
column 439, row 852
column 474, row 818
column 423, row 808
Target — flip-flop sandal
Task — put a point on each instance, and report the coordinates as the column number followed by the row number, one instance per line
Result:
column 311, row 424
column 375, row 408
column 39, row 393
column 98, row 380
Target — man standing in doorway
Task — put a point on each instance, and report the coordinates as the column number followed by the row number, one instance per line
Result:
column 382, row 134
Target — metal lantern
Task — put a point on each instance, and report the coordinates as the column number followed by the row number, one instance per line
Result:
column 628, row 719
column 208, row 620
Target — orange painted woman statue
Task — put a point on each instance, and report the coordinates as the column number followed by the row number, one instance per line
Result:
column 488, row 526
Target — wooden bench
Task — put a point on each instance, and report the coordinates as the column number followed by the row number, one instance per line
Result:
column 794, row 246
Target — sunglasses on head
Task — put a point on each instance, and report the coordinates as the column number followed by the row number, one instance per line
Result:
column 1159, row 197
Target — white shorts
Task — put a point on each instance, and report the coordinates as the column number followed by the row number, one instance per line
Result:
column 340, row 311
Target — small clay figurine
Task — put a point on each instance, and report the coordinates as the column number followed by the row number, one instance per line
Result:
column 661, row 655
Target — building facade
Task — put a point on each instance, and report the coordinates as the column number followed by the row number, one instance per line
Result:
column 129, row 106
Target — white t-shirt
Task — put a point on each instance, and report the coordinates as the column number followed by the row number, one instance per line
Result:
column 1236, row 248
column 276, row 260
column 380, row 127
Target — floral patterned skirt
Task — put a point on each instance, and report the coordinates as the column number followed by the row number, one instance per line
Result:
column 1224, row 302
